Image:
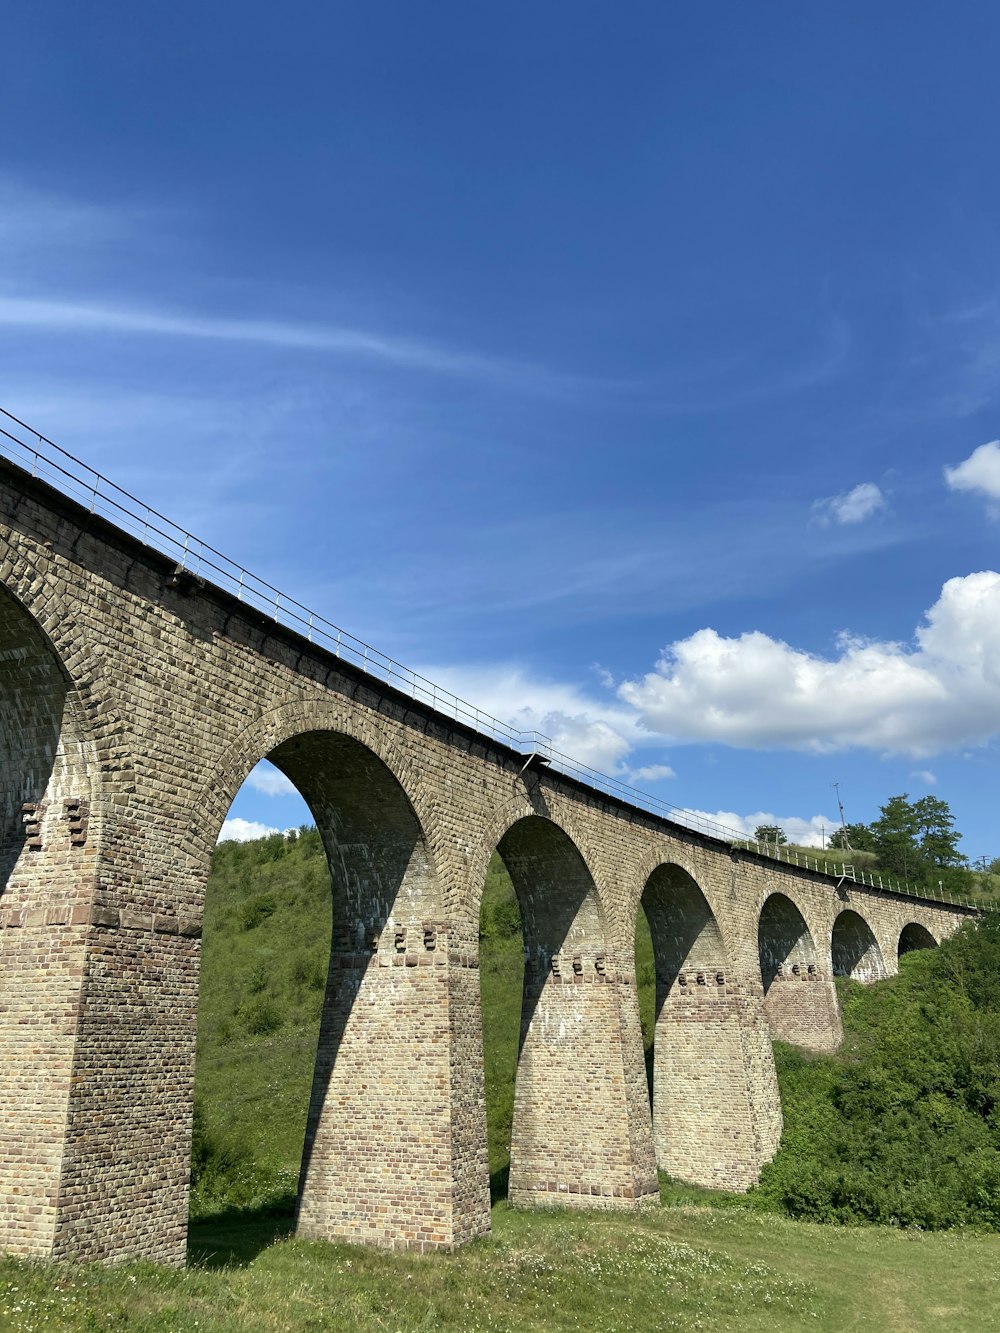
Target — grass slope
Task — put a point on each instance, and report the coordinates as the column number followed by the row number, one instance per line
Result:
column 672, row 1269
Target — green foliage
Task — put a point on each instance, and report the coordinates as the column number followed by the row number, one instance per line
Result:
column 854, row 838
column 917, row 841
column 770, row 833
column 903, row 1125
column 264, row 955
column 256, row 910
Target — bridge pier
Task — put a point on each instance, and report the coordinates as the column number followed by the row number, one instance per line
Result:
column 573, row 1143
column 715, row 1113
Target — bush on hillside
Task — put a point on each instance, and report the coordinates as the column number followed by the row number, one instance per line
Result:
column 903, row 1125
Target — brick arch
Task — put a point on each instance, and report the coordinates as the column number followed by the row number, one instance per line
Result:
column 815, row 915
column 915, row 935
column 785, row 944
column 854, row 948
column 800, row 1003
column 276, row 727
column 384, row 1030
column 682, row 860
column 492, row 834
column 93, row 705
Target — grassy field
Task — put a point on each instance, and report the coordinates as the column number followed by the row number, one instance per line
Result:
column 698, row 1262
column 680, row 1267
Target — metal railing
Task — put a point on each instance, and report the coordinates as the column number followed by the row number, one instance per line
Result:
column 43, row 458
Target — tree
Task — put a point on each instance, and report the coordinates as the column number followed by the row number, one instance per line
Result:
column 937, row 832
column 853, row 838
column 895, row 834
column 769, row 833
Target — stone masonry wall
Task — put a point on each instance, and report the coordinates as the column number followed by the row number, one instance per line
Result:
column 133, row 703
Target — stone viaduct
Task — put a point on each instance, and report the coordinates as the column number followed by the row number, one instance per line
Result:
column 134, row 700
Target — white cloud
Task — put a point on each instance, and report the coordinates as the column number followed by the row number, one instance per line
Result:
column 596, row 732
column 270, row 781
column 651, row 773
column 755, row 692
column 852, row 506
column 979, row 472
column 803, row 832
column 925, row 776
column 244, row 830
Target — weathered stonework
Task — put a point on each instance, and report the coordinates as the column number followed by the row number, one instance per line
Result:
column 133, row 704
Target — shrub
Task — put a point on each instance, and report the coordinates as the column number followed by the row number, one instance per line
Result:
column 255, row 910
column 903, row 1125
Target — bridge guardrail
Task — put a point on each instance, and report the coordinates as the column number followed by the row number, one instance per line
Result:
column 34, row 453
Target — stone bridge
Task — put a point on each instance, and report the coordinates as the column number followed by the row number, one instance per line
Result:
column 134, row 700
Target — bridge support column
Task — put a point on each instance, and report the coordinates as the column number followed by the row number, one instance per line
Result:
column 802, row 1009
column 715, row 1099
column 41, row 971
column 102, row 1126
column 716, row 1109
column 394, row 1155
column 572, row 1141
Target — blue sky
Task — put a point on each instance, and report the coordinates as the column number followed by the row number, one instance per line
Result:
column 633, row 370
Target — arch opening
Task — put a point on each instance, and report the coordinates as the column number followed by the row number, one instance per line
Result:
column 784, row 943
column 570, row 1138
column 854, row 949
column 703, row 1126
column 914, row 936
column 342, row 973
column 501, row 982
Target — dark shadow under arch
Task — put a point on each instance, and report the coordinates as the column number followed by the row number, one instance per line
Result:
column 914, row 936
column 45, row 756
column 784, row 942
column 854, row 950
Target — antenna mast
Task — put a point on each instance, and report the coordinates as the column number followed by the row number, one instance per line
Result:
column 843, row 826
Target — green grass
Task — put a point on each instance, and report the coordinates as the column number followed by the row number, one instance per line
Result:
column 677, row 1268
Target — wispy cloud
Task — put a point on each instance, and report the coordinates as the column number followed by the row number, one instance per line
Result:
column 43, row 315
